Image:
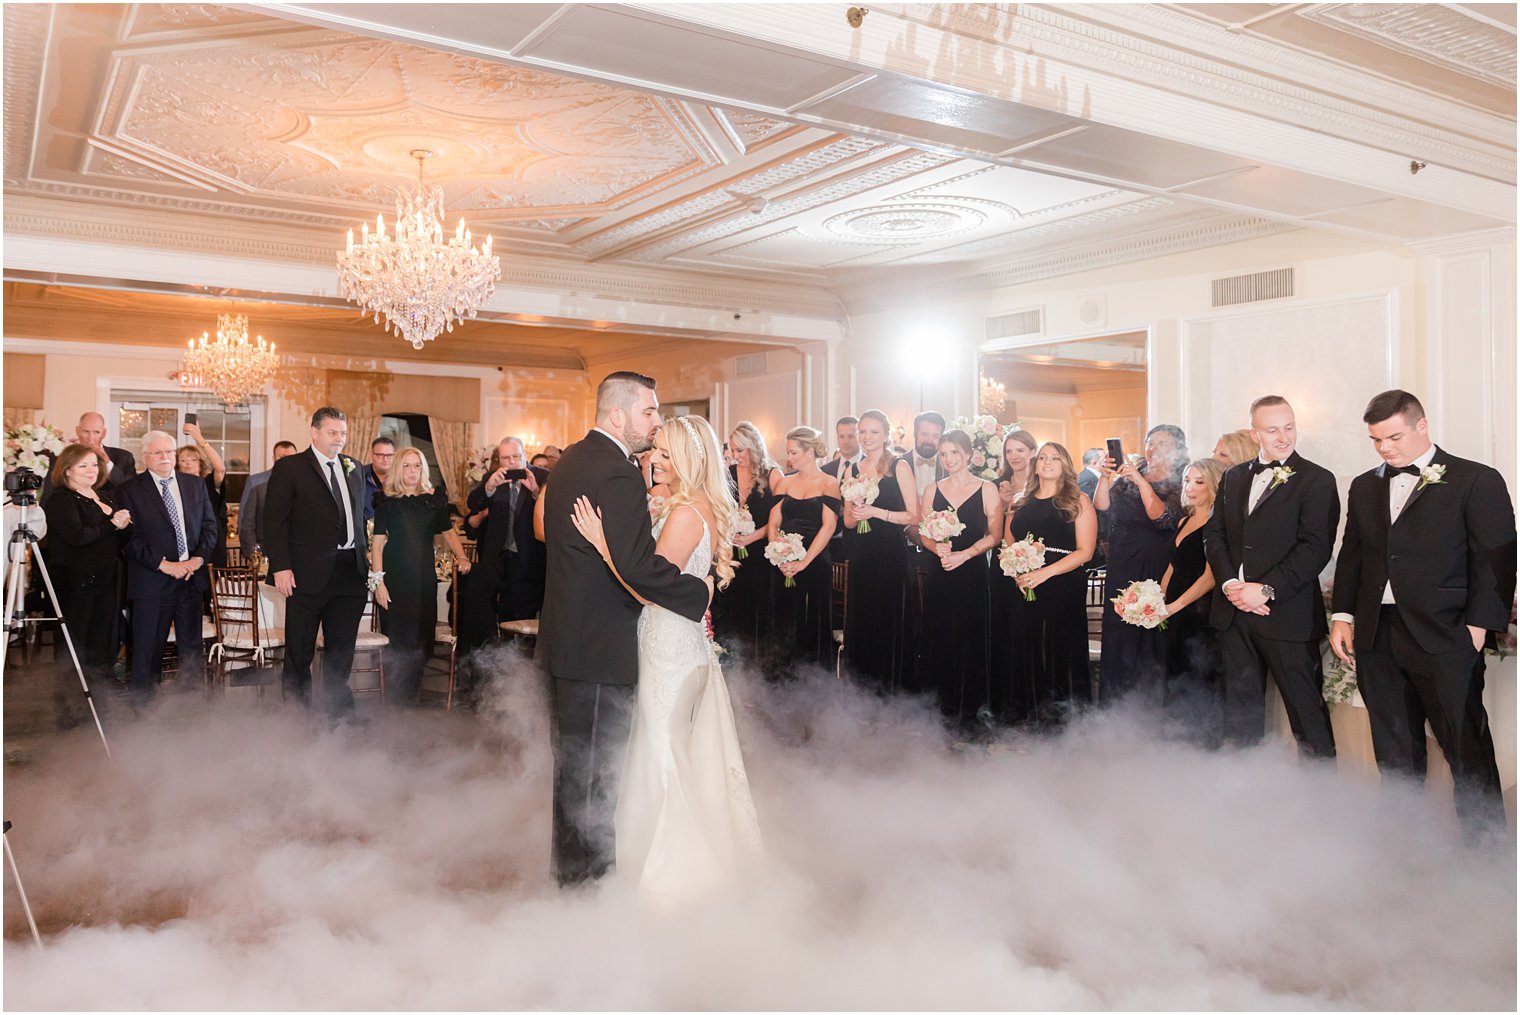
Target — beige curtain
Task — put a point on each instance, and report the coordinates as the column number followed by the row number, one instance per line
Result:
column 453, row 445
column 361, row 430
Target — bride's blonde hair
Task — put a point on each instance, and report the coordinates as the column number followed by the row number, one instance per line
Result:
column 697, row 462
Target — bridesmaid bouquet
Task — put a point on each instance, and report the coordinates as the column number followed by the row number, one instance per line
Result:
column 785, row 550
column 1027, row 555
column 744, row 525
column 1140, row 604
column 942, row 526
column 863, row 489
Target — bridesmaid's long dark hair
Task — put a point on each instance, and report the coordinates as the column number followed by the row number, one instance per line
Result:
column 1068, row 498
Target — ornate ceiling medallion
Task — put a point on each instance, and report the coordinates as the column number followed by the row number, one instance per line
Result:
column 421, row 284
column 231, row 366
column 908, row 223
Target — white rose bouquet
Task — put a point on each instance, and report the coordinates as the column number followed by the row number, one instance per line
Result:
column 986, row 443
column 475, row 471
column 942, row 526
column 1143, row 604
column 863, row 489
column 786, row 550
column 744, row 525
column 1027, row 555
column 32, row 446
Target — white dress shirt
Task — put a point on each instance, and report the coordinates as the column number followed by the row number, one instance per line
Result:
column 179, row 505
column 621, row 446
column 925, row 472
column 1400, row 488
column 348, row 504
column 1259, row 484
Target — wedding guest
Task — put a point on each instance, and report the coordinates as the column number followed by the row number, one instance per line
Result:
column 1426, row 572
column 91, row 432
column 847, row 449
column 382, row 453
column 1235, row 447
column 1193, row 695
column 956, row 650
column 1268, row 539
column 201, row 459
column 540, row 461
column 742, row 612
column 552, row 452
column 876, row 649
column 1045, row 673
column 508, row 580
column 923, row 458
column 809, row 506
column 173, row 533
column 1143, row 505
column 85, row 538
column 1092, row 471
column 251, row 507
column 407, row 518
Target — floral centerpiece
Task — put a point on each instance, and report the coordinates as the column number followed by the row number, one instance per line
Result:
column 1027, row 555
column 863, row 489
column 986, row 443
column 942, row 526
column 1141, row 603
column 475, row 469
column 32, row 446
column 785, row 550
column 744, row 525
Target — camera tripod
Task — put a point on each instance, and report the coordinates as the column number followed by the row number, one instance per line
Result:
column 15, row 599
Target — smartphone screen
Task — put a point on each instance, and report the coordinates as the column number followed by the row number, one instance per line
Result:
column 190, row 418
column 1116, row 451
column 517, row 474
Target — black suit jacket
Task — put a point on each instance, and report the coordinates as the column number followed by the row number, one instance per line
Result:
column 1285, row 543
column 1450, row 556
column 151, row 539
column 588, row 629
column 529, row 563
column 301, row 526
column 1087, row 482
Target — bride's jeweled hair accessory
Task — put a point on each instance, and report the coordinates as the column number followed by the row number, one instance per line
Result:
column 696, row 440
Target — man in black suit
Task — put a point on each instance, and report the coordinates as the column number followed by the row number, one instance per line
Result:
column 313, row 534
column 588, row 633
column 172, row 536
column 255, row 495
column 1087, row 479
column 847, row 437
column 1426, row 571
column 1269, row 537
column 91, row 432
column 511, row 559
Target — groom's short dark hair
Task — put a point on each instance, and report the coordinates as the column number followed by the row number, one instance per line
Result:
column 618, row 390
column 1394, row 403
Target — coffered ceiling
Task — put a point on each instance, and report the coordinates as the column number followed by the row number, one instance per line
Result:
column 767, row 150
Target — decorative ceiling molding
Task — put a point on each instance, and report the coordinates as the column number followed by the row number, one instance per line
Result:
column 26, row 42
column 750, row 131
column 1442, row 34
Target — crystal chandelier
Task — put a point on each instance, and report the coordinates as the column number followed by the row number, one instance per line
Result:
column 231, row 366
column 419, row 283
column 994, row 396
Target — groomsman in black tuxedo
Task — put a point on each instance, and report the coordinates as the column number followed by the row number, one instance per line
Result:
column 588, row 632
column 1269, row 537
column 847, row 433
column 923, row 459
column 313, row 534
column 1426, row 571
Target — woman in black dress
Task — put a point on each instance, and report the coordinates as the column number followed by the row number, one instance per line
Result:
column 201, row 459
column 956, row 659
column 1047, row 674
column 1194, row 690
column 876, row 649
column 1017, row 472
column 84, row 559
column 803, row 625
column 406, row 520
column 742, row 612
column 1143, row 513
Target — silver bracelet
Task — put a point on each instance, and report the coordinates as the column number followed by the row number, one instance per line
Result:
column 376, row 579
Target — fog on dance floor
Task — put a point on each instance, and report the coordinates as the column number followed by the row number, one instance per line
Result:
column 243, row 856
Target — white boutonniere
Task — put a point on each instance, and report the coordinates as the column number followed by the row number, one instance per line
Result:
column 1280, row 475
column 1431, row 475
column 348, row 466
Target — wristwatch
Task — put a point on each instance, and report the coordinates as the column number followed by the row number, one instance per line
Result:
column 1268, row 591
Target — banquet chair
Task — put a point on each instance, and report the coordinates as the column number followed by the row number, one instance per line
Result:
column 840, row 587
column 448, row 634
column 369, row 644
column 240, row 634
column 1095, row 606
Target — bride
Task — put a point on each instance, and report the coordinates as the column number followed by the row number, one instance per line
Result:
column 685, row 823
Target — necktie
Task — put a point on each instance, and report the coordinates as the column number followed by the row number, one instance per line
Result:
column 512, row 517
column 1257, row 465
column 1390, row 471
column 337, row 492
column 180, row 546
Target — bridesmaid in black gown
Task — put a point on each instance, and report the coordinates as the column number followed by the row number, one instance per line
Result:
column 1194, row 690
column 742, row 612
column 956, row 657
column 803, row 628
column 1048, row 673
column 876, row 649
column 1019, row 447
column 1143, row 512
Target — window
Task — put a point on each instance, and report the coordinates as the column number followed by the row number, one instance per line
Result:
column 228, row 429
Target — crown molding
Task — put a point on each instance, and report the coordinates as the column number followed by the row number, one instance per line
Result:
column 1464, row 243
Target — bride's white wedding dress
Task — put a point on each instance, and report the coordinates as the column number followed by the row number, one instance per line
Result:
column 685, row 822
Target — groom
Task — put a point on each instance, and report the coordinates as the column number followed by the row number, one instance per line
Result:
column 588, row 631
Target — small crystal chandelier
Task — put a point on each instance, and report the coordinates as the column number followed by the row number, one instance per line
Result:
column 231, row 366
column 994, row 396
column 419, row 283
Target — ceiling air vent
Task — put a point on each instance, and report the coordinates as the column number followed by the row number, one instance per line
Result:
column 1264, row 285
column 1020, row 322
column 749, row 366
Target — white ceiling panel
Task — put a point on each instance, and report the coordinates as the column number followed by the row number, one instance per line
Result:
column 1412, row 220
column 1283, row 190
column 1119, row 154
column 478, row 26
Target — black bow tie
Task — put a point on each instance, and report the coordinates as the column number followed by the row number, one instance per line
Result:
column 1257, row 465
column 1390, row 471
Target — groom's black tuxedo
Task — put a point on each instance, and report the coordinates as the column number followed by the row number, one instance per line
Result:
column 1449, row 562
column 1284, row 543
column 588, row 641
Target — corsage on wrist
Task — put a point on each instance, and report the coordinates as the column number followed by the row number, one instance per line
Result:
column 376, row 579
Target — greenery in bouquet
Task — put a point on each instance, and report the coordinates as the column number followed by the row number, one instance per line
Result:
column 32, row 446
column 987, row 437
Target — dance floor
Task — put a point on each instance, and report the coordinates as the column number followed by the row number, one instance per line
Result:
column 241, row 855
